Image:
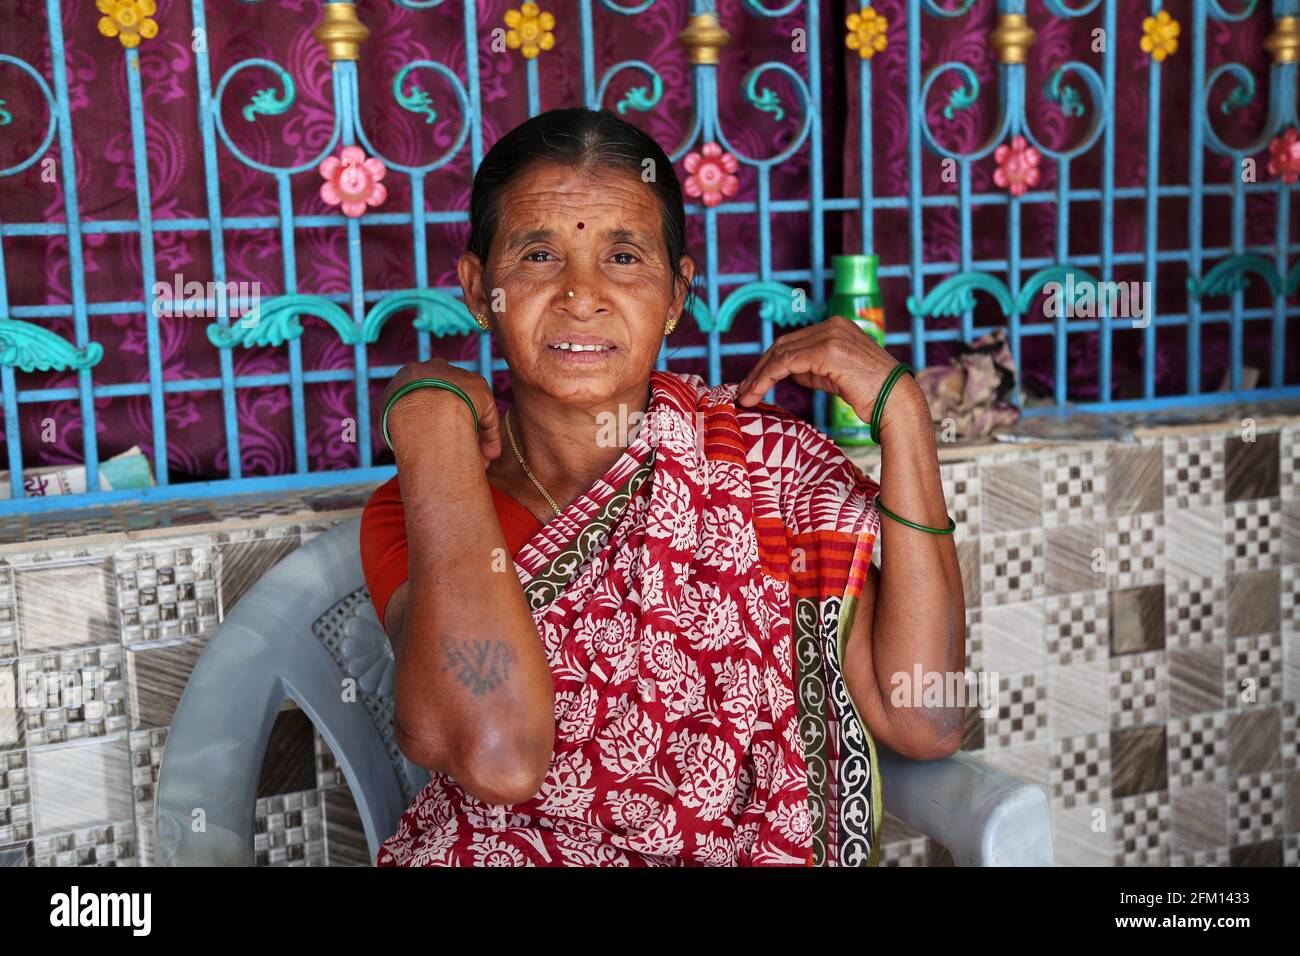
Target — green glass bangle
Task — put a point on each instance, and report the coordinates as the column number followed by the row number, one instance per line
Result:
column 424, row 383
column 878, row 411
column 952, row 525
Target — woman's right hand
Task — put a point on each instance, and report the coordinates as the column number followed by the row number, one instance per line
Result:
column 419, row 411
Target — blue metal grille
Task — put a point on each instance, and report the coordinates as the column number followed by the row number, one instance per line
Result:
column 1014, row 283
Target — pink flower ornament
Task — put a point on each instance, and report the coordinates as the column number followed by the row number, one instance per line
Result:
column 1284, row 156
column 711, row 176
column 1017, row 166
column 352, row 180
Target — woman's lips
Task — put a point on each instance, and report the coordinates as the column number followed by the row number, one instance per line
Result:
column 585, row 357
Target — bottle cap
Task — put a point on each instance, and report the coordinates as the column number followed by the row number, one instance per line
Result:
column 855, row 275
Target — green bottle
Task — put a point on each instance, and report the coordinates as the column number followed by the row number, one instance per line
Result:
column 856, row 296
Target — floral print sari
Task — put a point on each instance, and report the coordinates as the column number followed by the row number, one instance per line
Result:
column 694, row 604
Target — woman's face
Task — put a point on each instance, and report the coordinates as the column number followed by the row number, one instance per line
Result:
column 599, row 236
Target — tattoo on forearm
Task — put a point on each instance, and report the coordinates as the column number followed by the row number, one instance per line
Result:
column 481, row 666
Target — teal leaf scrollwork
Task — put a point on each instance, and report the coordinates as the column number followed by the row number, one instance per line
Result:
column 1064, row 95
column 5, row 116
column 437, row 313
column 1293, row 279
column 955, row 295
column 1241, row 94
column 36, row 349
column 638, row 99
column 962, row 97
column 1229, row 276
column 275, row 321
column 777, row 304
column 764, row 99
column 414, row 100
column 1066, row 276
column 268, row 102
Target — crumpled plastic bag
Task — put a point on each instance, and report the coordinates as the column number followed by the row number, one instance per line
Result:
column 975, row 388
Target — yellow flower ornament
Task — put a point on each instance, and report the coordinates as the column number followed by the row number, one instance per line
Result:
column 866, row 32
column 530, row 30
column 1160, row 35
column 128, row 20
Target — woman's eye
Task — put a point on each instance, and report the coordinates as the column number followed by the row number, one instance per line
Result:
column 536, row 252
column 631, row 257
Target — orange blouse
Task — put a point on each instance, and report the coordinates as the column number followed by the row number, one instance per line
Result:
column 384, row 552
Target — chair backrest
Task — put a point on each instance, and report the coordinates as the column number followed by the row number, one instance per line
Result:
column 307, row 631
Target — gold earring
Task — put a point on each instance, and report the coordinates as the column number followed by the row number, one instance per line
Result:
column 482, row 320
column 672, row 324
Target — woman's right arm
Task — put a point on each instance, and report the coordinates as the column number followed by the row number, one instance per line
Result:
column 473, row 691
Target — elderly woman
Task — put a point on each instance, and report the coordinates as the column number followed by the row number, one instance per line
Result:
column 635, row 619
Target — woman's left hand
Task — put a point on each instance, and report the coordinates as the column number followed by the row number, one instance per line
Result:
column 834, row 355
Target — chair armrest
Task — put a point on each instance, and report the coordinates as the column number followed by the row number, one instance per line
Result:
column 984, row 815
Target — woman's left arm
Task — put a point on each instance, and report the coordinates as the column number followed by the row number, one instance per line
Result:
column 909, row 631
column 910, row 621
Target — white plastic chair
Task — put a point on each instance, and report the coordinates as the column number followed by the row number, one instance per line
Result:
column 307, row 625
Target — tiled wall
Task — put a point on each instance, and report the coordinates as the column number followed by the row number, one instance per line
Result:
column 114, row 619
column 1138, row 602
column 1124, row 593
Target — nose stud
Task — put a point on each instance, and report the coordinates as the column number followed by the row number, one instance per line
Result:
column 570, row 293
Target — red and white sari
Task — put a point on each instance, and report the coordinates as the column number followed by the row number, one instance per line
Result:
column 693, row 604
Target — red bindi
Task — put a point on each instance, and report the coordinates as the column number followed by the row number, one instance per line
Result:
column 579, row 225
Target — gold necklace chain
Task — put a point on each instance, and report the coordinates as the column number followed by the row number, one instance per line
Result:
column 524, row 465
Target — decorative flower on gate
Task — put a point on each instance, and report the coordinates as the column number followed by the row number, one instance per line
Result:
column 866, row 32
column 1017, row 166
column 1284, row 156
column 530, row 30
column 353, row 180
column 128, row 20
column 711, row 174
column 1160, row 35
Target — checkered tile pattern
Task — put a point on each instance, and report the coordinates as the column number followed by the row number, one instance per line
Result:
column 1011, row 567
column 1253, row 671
column 289, row 830
column 1291, row 735
column 961, row 490
column 108, row 845
column 913, row 852
column 1198, row 750
column 1290, row 463
column 8, row 614
column 1193, row 472
column 328, row 772
column 1291, row 599
column 72, row 695
column 1291, row 850
column 1142, row 829
column 1139, row 689
column 1022, row 711
column 1080, row 771
column 1074, row 488
column 1076, row 626
column 166, row 593
column 1194, row 612
column 974, row 639
column 1200, row 858
column 1134, row 544
column 1253, row 535
column 15, row 798
column 1255, row 808
column 146, row 761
